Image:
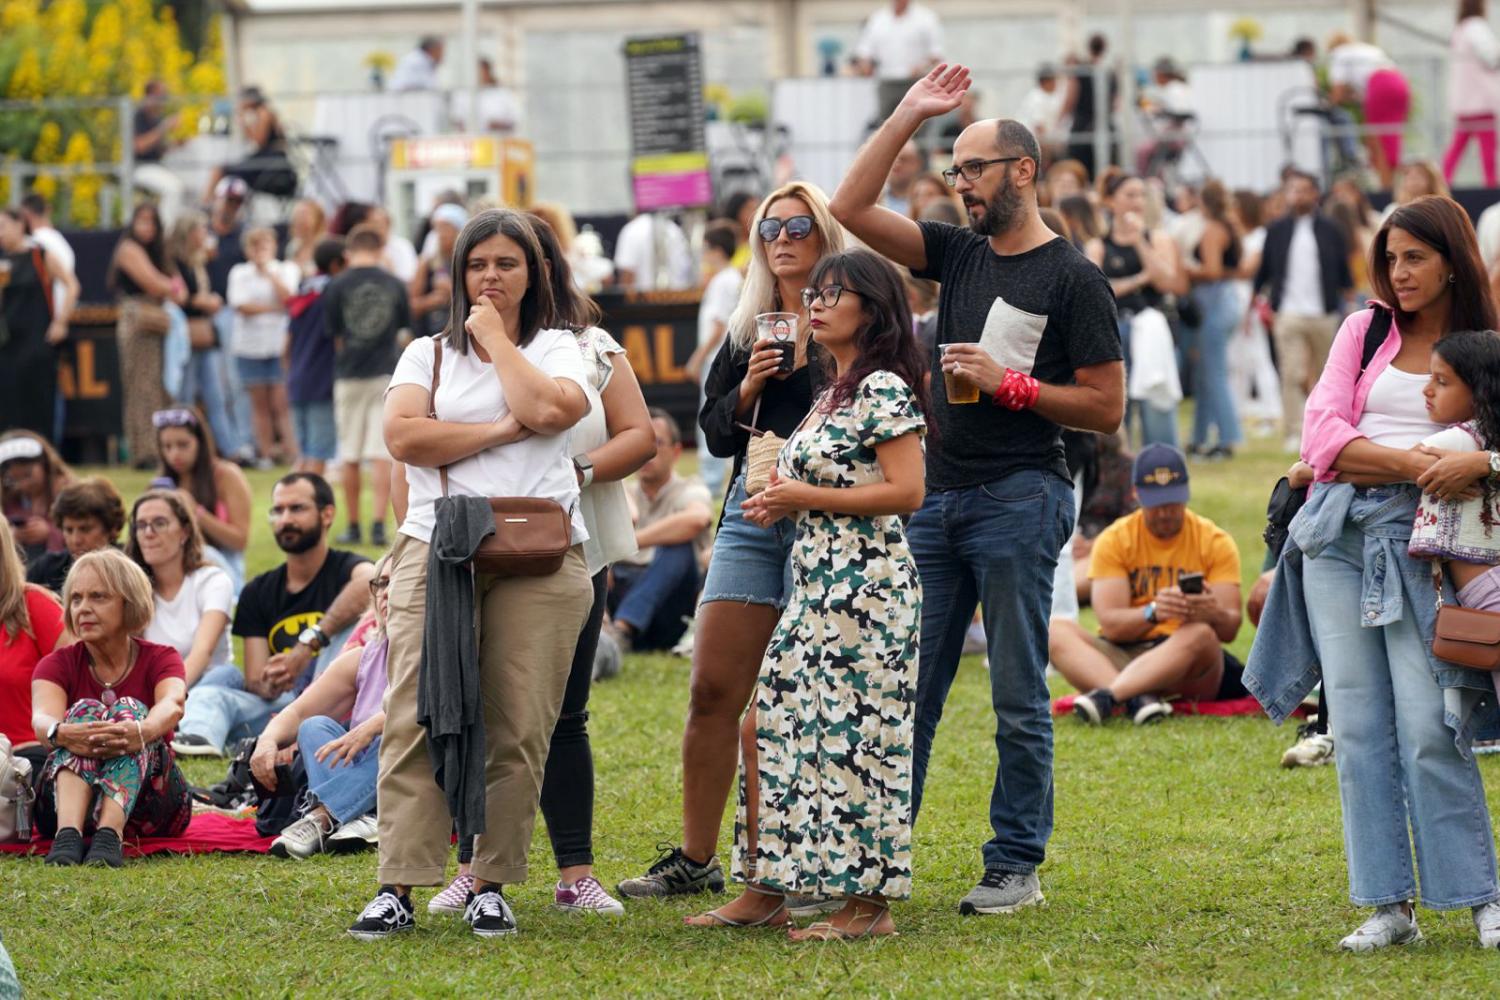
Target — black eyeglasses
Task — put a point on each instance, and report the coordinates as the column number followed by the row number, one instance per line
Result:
column 974, row 169
column 798, row 227
column 828, row 295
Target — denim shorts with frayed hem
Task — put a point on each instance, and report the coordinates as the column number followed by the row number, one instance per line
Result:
column 750, row 565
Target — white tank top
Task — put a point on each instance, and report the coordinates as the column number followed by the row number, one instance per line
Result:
column 1396, row 411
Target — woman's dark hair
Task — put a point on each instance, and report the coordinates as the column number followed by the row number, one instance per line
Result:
column 538, row 308
column 1112, row 179
column 1442, row 224
column 1083, row 218
column 94, row 497
column 1250, row 208
column 192, row 538
column 886, row 342
column 1474, row 356
column 348, row 215
column 156, row 250
column 1215, row 201
column 1470, row 8
column 200, row 477
column 573, row 307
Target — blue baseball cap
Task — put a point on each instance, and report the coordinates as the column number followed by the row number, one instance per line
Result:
column 1160, row 476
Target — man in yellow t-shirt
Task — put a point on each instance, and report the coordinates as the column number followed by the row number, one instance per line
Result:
column 1157, row 639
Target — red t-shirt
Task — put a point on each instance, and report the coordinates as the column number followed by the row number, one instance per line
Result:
column 68, row 668
column 18, row 657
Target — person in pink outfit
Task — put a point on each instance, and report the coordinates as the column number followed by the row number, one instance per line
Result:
column 1361, row 73
column 1473, row 88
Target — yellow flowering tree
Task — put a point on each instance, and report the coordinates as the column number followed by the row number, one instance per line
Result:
column 54, row 50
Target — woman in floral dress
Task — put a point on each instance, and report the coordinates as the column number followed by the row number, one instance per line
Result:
column 834, row 705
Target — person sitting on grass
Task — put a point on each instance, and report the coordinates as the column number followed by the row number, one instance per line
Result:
column 31, row 625
column 32, row 474
column 90, row 514
column 1157, row 638
column 286, row 617
column 106, row 706
column 652, row 592
column 341, row 761
column 213, row 488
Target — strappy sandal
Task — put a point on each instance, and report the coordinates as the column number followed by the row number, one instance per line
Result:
column 769, row 920
column 824, row 931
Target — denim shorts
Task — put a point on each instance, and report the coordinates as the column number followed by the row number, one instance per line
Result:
column 750, row 565
column 259, row 371
column 317, row 437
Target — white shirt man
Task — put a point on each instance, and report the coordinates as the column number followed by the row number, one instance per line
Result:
column 903, row 40
column 636, row 254
column 1042, row 108
column 39, row 219
column 417, row 70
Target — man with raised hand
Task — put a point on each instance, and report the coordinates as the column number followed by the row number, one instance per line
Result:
column 1027, row 344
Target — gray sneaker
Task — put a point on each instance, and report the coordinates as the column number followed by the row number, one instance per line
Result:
column 1002, row 892
column 301, row 839
column 674, row 874
column 1389, row 925
column 1487, row 923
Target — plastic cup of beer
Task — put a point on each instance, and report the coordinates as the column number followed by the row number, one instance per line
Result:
column 782, row 328
column 957, row 388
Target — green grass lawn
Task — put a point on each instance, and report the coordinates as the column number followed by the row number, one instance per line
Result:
column 1185, row 862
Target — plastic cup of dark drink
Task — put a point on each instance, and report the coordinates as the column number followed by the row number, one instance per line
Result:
column 782, row 328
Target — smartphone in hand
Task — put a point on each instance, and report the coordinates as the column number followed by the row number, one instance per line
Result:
column 1190, row 583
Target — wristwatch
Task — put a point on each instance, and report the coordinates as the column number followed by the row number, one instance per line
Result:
column 52, row 734
column 1495, row 465
column 1149, row 613
column 585, row 469
column 313, row 638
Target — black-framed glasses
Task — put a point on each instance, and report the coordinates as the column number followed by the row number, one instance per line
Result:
column 155, row 526
column 973, row 169
column 798, row 227
column 175, row 417
column 828, row 295
column 379, row 583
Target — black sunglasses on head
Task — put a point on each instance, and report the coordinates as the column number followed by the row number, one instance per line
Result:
column 798, row 227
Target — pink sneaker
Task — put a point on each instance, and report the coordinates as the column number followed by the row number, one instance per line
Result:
column 587, row 896
column 454, row 898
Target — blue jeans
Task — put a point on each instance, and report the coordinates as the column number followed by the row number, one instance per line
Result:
column 654, row 599
column 1397, row 761
column 220, row 710
column 996, row 546
column 1213, row 400
column 204, row 380
column 239, row 400
column 711, row 468
column 347, row 791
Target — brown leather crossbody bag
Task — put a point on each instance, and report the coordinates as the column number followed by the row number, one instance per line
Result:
column 1467, row 637
column 532, row 534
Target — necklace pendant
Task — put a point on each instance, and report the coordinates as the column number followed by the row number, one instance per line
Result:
column 108, row 697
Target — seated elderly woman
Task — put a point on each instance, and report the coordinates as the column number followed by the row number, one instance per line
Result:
column 341, row 761
column 90, row 514
column 106, row 705
column 192, row 596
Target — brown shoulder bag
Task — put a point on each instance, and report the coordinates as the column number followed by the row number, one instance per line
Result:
column 532, row 534
column 1467, row 637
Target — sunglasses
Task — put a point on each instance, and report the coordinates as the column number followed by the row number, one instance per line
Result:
column 177, row 417
column 798, row 227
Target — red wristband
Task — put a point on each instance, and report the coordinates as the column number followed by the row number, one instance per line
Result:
column 1018, row 391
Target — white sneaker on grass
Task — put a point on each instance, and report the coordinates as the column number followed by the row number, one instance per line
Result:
column 1311, row 750
column 1389, row 925
column 454, row 898
column 301, row 839
column 1487, row 923
column 356, row 835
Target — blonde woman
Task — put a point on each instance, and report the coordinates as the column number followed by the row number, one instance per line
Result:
column 749, row 576
column 306, row 229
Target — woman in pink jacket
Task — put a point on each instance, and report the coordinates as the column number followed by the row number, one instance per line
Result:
column 1473, row 88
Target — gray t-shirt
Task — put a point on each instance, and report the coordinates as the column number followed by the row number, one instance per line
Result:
column 1049, row 310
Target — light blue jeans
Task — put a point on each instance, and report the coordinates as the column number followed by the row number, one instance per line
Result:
column 205, row 380
column 1397, row 760
column 1213, row 400
column 239, row 400
column 347, row 790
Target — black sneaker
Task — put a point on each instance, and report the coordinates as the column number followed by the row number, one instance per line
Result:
column 488, row 914
column 387, row 914
column 675, row 874
column 1145, row 709
column 351, row 536
column 1096, row 707
column 377, row 534
column 105, row 851
column 67, row 848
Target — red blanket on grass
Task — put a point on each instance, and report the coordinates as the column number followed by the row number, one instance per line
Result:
column 206, row 834
column 1234, row 706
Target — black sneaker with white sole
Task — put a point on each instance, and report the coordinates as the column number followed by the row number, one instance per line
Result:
column 488, row 914
column 1145, row 709
column 1096, row 707
column 387, row 914
column 193, row 745
column 675, row 874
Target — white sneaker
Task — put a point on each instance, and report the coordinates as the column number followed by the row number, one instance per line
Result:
column 454, row 898
column 1487, row 923
column 302, row 839
column 355, row 835
column 1387, row 926
column 1311, row 750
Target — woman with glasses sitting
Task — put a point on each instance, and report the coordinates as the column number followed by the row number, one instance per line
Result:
column 213, row 488
column 192, row 598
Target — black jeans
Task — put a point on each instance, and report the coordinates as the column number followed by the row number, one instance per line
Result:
column 568, row 784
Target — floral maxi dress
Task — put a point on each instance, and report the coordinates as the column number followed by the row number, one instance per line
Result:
column 838, row 685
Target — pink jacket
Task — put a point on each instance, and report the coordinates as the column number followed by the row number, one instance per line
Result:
column 1331, row 420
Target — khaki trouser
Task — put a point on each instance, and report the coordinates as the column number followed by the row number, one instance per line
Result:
column 141, row 389
column 1302, row 344
column 528, row 629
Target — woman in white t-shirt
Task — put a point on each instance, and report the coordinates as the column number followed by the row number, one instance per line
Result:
column 258, row 292
column 511, row 387
column 192, row 597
